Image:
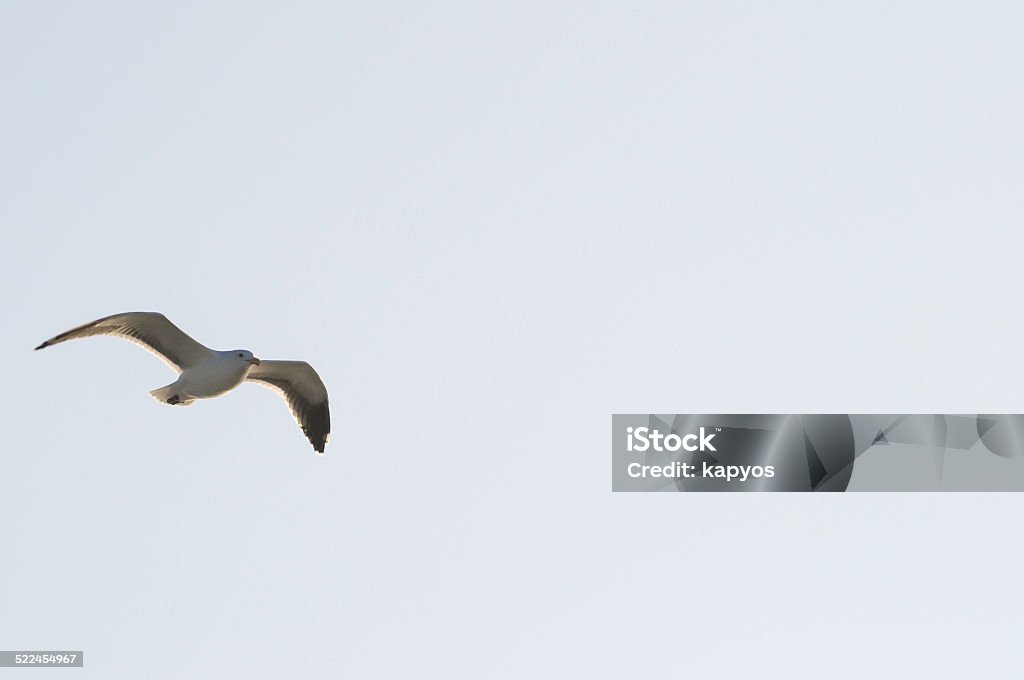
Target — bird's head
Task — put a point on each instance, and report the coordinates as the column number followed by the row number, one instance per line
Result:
column 246, row 356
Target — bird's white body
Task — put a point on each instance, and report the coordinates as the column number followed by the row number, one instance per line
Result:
column 222, row 372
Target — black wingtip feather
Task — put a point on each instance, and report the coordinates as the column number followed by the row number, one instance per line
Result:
column 45, row 344
column 318, row 426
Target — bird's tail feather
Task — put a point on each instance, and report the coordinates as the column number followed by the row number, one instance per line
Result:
column 168, row 394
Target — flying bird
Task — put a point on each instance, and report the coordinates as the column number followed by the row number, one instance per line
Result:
column 206, row 373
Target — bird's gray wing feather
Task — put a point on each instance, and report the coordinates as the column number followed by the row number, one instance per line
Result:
column 304, row 392
column 150, row 330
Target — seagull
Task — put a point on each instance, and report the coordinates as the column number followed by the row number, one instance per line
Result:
column 206, row 373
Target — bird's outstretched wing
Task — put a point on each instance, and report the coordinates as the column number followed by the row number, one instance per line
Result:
column 150, row 330
column 305, row 393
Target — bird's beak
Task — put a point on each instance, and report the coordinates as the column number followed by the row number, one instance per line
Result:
column 254, row 361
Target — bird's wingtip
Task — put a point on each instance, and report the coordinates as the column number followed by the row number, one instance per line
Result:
column 45, row 344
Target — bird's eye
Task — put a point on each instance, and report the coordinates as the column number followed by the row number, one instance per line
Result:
column 241, row 355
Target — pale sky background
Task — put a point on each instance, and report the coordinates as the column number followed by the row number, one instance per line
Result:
column 489, row 228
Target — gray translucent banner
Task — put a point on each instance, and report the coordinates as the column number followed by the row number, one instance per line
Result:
column 41, row 659
column 818, row 452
